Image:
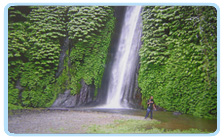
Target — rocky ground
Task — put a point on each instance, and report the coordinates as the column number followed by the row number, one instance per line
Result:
column 60, row 122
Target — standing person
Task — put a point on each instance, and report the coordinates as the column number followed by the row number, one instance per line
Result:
column 150, row 107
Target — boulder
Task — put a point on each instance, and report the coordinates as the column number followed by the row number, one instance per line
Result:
column 66, row 100
column 177, row 113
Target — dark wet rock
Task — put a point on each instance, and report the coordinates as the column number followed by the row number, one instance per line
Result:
column 67, row 100
column 18, row 86
column 177, row 113
column 64, row 48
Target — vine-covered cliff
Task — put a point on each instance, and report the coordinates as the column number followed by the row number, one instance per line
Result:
column 54, row 49
column 179, row 58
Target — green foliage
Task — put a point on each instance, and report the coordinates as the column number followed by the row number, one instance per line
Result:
column 48, row 29
column 178, row 58
column 36, row 85
column 87, row 21
column 14, row 96
column 14, row 107
column 35, row 38
column 91, row 39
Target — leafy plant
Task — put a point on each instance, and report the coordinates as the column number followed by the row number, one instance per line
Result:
column 176, row 67
column 36, row 35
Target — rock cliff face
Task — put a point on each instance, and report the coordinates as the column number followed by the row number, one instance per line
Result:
column 65, row 99
column 68, row 101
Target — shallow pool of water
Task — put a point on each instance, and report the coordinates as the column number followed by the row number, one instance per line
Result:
column 184, row 122
column 168, row 120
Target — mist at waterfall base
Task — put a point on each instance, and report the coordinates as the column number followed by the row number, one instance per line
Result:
column 120, row 79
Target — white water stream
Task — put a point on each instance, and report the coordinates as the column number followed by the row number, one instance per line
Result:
column 125, row 58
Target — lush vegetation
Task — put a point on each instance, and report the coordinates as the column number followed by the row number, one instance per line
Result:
column 52, row 48
column 179, row 58
column 42, row 37
column 137, row 127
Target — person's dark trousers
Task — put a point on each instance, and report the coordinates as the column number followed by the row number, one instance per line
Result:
column 147, row 114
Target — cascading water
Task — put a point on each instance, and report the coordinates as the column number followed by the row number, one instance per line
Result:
column 124, row 66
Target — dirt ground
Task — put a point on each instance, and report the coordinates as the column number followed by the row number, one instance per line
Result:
column 60, row 122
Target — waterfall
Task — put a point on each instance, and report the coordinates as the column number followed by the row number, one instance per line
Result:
column 125, row 62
